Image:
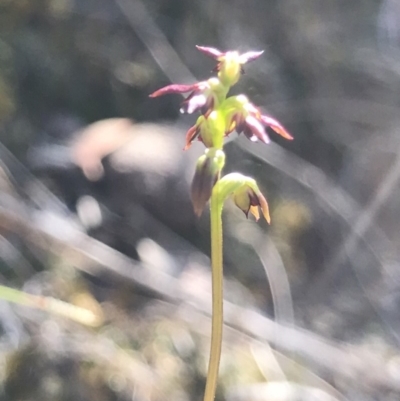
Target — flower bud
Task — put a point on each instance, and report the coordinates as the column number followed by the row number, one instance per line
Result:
column 230, row 68
column 210, row 129
column 230, row 63
column 207, row 172
column 213, row 130
column 248, row 200
column 204, row 96
column 242, row 116
column 245, row 192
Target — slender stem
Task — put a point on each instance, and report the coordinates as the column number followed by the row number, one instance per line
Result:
column 50, row 305
column 12, row 295
column 217, row 296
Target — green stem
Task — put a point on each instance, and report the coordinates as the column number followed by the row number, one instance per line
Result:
column 217, row 296
column 50, row 305
column 15, row 296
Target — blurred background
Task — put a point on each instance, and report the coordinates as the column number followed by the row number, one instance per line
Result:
column 97, row 231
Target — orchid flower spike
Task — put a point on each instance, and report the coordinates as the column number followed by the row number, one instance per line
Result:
column 230, row 63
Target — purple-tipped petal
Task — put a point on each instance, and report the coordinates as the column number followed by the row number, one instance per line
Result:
column 174, row 88
column 248, row 134
column 208, row 107
column 252, row 137
column 249, row 56
column 262, row 202
column 276, row 126
column 258, row 200
column 193, row 103
column 191, row 135
column 211, row 52
column 252, row 109
column 256, row 129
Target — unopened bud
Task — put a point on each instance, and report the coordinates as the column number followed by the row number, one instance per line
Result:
column 207, row 172
column 230, row 68
column 245, row 192
column 212, row 129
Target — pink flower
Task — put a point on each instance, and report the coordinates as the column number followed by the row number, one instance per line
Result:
column 245, row 193
column 243, row 116
column 249, row 200
column 222, row 57
column 203, row 95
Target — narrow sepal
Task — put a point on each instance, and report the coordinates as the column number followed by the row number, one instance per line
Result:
column 264, row 207
column 192, row 133
column 193, row 103
column 243, row 116
column 211, row 52
column 174, row 88
column 249, row 56
column 276, row 126
column 256, row 129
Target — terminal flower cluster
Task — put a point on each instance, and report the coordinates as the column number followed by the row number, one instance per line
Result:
column 220, row 116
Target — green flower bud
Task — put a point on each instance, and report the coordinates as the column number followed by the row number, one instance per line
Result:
column 210, row 129
column 214, row 129
column 208, row 169
column 230, row 63
column 230, row 68
column 245, row 192
column 219, row 90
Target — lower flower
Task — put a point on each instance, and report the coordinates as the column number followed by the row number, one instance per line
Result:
column 245, row 193
column 243, row 116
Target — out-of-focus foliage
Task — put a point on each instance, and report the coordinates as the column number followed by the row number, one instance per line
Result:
column 330, row 73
